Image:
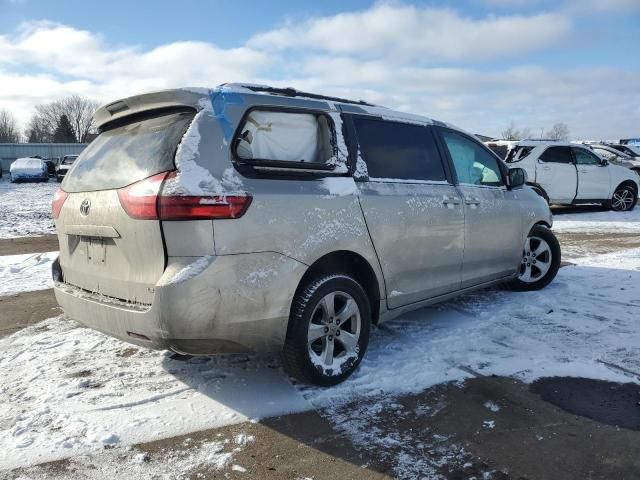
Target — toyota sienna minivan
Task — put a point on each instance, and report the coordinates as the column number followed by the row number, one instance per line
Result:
column 250, row 218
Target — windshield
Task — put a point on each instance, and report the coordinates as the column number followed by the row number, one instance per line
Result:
column 126, row 154
column 69, row 160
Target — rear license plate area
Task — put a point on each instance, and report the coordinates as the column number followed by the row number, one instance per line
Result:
column 95, row 250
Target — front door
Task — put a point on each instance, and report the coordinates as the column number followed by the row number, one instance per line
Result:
column 414, row 214
column 593, row 176
column 556, row 173
column 493, row 216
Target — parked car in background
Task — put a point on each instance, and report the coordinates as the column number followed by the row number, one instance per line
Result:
column 29, row 170
column 631, row 150
column 63, row 167
column 501, row 147
column 51, row 166
column 616, row 156
column 569, row 174
column 286, row 221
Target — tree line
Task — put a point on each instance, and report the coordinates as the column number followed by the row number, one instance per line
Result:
column 558, row 131
column 68, row 120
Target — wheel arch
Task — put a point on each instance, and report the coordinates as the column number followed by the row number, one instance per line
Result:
column 347, row 261
column 545, row 195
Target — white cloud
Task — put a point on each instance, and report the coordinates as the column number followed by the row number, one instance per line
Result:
column 77, row 61
column 392, row 59
column 402, row 32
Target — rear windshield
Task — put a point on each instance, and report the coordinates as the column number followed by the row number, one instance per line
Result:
column 28, row 163
column 128, row 153
column 68, row 160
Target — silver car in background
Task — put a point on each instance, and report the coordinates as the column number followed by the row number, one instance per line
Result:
column 28, row 170
column 251, row 218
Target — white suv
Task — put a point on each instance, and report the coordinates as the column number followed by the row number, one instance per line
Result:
column 569, row 174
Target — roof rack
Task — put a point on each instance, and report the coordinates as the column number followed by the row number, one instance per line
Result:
column 292, row 92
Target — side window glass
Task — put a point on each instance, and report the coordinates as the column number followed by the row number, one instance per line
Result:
column 585, row 158
column 556, row 155
column 285, row 136
column 398, row 151
column 473, row 164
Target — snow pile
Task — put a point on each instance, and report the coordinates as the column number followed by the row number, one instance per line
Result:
column 194, row 179
column 20, row 217
column 340, row 186
column 68, row 390
column 25, row 273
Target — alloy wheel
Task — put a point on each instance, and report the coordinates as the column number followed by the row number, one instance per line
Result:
column 536, row 260
column 622, row 199
column 334, row 331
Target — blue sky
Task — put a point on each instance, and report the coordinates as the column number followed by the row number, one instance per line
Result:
column 478, row 63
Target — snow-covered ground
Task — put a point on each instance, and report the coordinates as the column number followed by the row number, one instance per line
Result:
column 68, row 390
column 25, row 273
column 25, row 208
column 604, row 221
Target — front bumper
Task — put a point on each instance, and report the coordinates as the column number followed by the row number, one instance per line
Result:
column 238, row 303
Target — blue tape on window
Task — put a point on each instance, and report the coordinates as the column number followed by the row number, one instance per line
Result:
column 220, row 98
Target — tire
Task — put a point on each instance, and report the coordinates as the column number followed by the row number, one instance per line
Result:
column 624, row 198
column 59, row 179
column 328, row 359
column 535, row 274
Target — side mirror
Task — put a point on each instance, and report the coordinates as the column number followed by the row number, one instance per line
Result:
column 604, row 162
column 517, row 177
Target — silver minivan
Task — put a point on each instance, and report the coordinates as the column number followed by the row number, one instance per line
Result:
column 251, row 218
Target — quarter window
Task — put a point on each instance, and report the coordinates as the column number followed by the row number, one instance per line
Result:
column 585, row 158
column 399, row 151
column 556, row 155
column 285, row 136
column 473, row 164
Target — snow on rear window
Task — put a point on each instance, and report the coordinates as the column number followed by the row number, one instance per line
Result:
column 285, row 136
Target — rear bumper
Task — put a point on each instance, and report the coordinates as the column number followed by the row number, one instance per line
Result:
column 201, row 305
column 28, row 177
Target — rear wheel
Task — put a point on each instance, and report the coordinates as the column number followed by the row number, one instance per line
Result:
column 58, row 178
column 540, row 261
column 328, row 330
column 624, row 198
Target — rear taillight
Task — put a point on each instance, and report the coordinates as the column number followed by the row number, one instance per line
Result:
column 140, row 199
column 58, row 200
column 143, row 200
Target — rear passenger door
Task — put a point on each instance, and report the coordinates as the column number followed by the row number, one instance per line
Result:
column 556, row 173
column 493, row 214
column 593, row 176
column 414, row 214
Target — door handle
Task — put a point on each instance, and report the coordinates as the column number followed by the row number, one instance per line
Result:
column 545, row 168
column 474, row 201
column 450, row 201
column 583, row 171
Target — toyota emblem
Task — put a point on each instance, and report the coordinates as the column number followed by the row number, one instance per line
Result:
column 85, row 206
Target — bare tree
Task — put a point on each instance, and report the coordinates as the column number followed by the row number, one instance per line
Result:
column 510, row 133
column 525, row 133
column 559, row 131
column 39, row 130
column 77, row 109
column 9, row 131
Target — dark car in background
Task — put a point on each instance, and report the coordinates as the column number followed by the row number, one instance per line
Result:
column 64, row 166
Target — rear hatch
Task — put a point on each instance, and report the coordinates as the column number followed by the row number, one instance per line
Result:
column 103, row 248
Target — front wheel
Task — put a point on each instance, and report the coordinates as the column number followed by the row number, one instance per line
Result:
column 328, row 330
column 540, row 261
column 624, row 198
